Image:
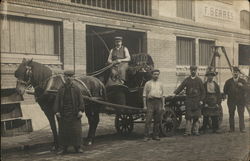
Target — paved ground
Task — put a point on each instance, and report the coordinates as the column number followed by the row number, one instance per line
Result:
column 110, row 146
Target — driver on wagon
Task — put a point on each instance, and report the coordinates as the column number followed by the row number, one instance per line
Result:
column 120, row 56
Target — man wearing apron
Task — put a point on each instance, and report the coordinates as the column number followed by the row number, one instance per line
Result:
column 120, row 56
column 212, row 103
column 195, row 94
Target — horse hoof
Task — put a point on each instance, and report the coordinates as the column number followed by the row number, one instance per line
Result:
column 54, row 148
column 89, row 143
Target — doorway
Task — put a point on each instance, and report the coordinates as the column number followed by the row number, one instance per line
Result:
column 100, row 40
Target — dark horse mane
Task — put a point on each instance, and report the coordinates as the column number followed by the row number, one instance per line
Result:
column 41, row 73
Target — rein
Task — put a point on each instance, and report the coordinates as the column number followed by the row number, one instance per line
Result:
column 98, row 72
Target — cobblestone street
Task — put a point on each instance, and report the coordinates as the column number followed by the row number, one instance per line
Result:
column 111, row 146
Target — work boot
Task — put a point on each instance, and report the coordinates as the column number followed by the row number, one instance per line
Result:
column 196, row 134
column 156, row 138
column 186, row 134
column 146, row 139
column 64, row 151
column 78, row 150
column 243, row 131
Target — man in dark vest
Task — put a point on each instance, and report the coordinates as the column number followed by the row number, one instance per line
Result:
column 69, row 107
column 195, row 94
column 234, row 88
column 120, row 56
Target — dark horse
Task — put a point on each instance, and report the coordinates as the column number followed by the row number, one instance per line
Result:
column 30, row 73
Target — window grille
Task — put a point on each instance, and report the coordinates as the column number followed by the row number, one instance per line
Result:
column 184, row 8
column 27, row 36
column 141, row 7
column 244, row 20
column 205, row 52
column 185, row 51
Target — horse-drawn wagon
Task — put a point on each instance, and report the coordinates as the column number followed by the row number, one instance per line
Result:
column 130, row 92
column 122, row 99
column 125, row 100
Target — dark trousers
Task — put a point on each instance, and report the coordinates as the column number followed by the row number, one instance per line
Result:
column 215, row 122
column 240, row 110
column 154, row 107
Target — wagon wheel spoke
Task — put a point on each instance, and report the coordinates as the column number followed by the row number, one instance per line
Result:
column 124, row 124
column 168, row 122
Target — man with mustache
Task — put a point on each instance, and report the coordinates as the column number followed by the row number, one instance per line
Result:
column 234, row 88
column 195, row 94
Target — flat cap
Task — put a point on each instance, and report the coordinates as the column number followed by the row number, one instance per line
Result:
column 236, row 69
column 118, row 38
column 69, row 73
column 193, row 67
column 211, row 73
column 155, row 70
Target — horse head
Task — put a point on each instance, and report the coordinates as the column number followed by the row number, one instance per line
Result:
column 24, row 76
column 30, row 73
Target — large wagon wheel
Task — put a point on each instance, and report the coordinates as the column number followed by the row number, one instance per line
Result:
column 179, row 120
column 168, row 122
column 124, row 124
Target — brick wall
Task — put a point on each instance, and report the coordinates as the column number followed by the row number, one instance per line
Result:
column 80, row 47
column 160, row 37
column 162, row 46
column 68, row 59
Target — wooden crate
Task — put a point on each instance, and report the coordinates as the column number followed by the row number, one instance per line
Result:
column 9, row 96
column 10, row 111
column 16, row 127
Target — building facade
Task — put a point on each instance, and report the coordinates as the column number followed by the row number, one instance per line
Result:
column 77, row 34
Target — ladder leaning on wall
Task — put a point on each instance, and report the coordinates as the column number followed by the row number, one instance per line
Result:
column 215, row 52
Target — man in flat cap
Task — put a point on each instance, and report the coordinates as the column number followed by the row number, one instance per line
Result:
column 234, row 88
column 69, row 107
column 120, row 56
column 212, row 102
column 195, row 94
column 153, row 101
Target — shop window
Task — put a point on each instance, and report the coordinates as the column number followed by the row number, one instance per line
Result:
column 244, row 20
column 184, row 8
column 185, row 51
column 205, row 52
column 28, row 36
column 244, row 54
column 142, row 7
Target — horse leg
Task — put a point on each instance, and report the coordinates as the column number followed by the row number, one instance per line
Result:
column 52, row 122
column 93, row 120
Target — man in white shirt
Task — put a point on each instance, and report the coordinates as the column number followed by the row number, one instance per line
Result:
column 153, row 101
column 120, row 56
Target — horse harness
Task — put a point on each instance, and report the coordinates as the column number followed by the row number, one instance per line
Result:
column 28, row 75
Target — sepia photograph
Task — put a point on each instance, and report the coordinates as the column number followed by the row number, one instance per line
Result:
column 125, row 80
